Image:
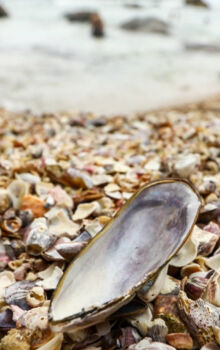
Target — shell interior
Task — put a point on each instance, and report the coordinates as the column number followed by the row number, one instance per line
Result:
column 140, row 239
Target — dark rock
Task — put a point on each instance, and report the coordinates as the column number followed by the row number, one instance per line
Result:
column 149, row 24
column 200, row 3
column 97, row 26
column 80, row 16
column 133, row 6
column 212, row 48
column 3, row 12
column 99, row 122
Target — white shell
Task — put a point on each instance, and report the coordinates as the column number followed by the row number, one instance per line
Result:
column 113, row 265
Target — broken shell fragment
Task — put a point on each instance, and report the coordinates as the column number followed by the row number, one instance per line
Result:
column 38, row 238
column 6, row 279
column 70, row 249
column 93, row 227
column 86, row 209
column 54, row 344
column 200, row 242
column 157, row 330
column 78, row 178
column 212, row 227
column 200, row 317
column 195, row 287
column 60, row 223
column 186, row 254
column 16, row 294
column 28, row 177
column 213, row 262
column 142, row 320
column 52, row 254
column 4, row 200
column 189, row 269
column 171, row 286
column 70, row 177
column 165, row 307
column 212, row 293
column 83, row 237
column 180, row 340
column 123, row 246
column 151, row 346
column 21, row 271
column 186, row 164
column 16, row 339
column 34, row 203
column 17, row 312
column 61, row 197
column 87, row 196
column 50, row 277
column 26, row 217
column 129, row 336
column 35, row 318
column 206, row 241
column 149, row 294
column 16, row 191
column 210, row 211
column 6, row 320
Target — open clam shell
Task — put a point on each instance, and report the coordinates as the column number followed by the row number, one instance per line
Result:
column 142, row 237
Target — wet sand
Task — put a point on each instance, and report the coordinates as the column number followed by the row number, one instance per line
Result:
column 49, row 64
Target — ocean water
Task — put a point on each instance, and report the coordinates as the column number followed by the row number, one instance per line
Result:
column 48, row 64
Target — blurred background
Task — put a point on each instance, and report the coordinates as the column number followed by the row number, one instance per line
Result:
column 132, row 55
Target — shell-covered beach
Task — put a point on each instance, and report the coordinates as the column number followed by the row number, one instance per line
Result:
column 63, row 177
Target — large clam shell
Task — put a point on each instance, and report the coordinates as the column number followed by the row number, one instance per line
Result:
column 119, row 260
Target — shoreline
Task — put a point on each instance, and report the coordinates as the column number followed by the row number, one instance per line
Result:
column 197, row 103
column 210, row 102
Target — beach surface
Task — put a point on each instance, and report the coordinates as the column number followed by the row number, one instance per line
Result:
column 63, row 177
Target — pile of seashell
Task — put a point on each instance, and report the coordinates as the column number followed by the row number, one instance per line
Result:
column 147, row 279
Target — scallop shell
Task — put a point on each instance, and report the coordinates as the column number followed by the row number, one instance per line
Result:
column 124, row 256
column 16, row 294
